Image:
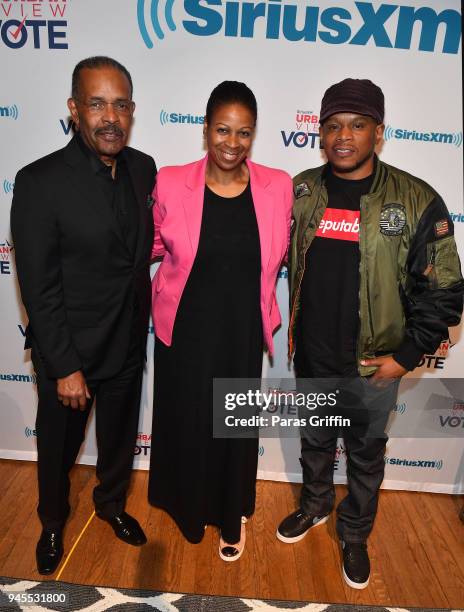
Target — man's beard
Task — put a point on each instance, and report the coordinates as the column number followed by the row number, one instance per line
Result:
column 355, row 166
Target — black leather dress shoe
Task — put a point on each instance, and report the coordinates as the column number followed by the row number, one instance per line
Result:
column 126, row 528
column 49, row 551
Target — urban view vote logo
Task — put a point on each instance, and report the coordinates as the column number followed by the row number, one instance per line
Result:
column 390, row 26
column 452, row 421
column 305, row 133
column 5, row 253
column 34, row 22
column 8, row 186
column 437, row 361
column 166, row 118
column 9, row 112
column 143, row 444
column 454, row 138
column 28, row 432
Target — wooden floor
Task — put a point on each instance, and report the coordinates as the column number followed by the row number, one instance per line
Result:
column 416, row 549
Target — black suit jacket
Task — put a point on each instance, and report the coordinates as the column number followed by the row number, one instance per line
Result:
column 79, row 283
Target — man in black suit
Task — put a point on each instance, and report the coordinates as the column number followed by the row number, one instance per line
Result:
column 83, row 231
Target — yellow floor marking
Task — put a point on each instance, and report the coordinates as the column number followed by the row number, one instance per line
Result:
column 74, row 546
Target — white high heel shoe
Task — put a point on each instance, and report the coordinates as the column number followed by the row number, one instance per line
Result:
column 232, row 552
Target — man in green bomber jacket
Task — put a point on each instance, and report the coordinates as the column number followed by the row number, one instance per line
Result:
column 375, row 281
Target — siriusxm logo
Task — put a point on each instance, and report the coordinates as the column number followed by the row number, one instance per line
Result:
column 28, row 432
column 29, row 378
column 421, row 463
column 400, row 408
column 154, row 20
column 8, row 186
column 9, row 112
column 261, row 451
column 386, row 25
column 454, row 138
column 166, row 118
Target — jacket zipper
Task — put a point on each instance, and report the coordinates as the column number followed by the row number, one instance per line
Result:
column 363, row 273
column 297, row 295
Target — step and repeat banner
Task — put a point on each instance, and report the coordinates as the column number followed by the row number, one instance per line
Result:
column 288, row 52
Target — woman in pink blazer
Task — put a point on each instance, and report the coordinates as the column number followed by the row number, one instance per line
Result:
column 222, row 229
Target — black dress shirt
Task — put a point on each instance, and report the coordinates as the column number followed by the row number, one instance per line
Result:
column 118, row 193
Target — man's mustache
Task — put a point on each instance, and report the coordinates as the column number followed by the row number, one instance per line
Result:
column 111, row 129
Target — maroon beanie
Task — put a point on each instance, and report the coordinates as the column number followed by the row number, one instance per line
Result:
column 359, row 96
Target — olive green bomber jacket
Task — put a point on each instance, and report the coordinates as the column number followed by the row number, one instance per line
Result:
column 411, row 287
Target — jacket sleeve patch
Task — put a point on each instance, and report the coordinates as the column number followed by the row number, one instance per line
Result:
column 301, row 189
column 441, row 228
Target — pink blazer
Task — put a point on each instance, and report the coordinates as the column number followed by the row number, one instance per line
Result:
column 177, row 212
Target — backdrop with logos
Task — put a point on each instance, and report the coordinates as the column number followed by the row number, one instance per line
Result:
column 288, row 52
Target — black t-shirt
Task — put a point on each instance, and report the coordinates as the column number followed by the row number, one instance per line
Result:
column 329, row 316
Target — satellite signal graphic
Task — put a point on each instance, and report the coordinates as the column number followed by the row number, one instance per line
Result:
column 12, row 112
column 389, row 132
column 457, row 139
column 154, row 12
column 164, row 117
column 8, row 186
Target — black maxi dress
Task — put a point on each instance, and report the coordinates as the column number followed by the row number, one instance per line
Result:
column 196, row 478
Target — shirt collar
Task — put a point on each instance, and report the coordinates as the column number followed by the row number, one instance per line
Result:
column 98, row 167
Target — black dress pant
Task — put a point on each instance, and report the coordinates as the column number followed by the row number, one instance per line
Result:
column 368, row 408
column 61, row 431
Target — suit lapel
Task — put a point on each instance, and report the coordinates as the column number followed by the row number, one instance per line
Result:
column 87, row 184
column 139, row 185
column 193, row 201
column 263, row 201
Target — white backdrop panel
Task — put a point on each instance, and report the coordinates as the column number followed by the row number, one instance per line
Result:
column 417, row 64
